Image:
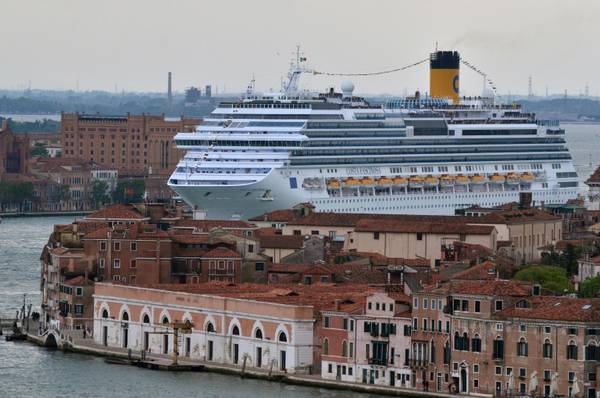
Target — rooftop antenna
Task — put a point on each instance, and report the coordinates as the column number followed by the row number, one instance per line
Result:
column 436, row 46
column 530, row 87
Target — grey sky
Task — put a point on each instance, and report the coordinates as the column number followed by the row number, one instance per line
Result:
column 133, row 44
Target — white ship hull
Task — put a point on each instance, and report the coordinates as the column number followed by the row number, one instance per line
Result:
column 274, row 192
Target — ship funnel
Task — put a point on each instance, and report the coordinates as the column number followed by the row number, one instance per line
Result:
column 444, row 70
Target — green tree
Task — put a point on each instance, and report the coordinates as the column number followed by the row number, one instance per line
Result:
column 99, row 193
column 16, row 193
column 39, row 150
column 549, row 277
column 568, row 259
column 590, row 287
column 129, row 191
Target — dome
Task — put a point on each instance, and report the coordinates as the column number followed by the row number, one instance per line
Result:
column 347, row 88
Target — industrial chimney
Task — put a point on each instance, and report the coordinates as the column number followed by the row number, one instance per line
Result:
column 444, row 70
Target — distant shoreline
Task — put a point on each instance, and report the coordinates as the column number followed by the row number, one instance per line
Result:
column 44, row 214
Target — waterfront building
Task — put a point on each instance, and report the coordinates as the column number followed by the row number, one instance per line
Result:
column 13, row 151
column 134, row 145
column 368, row 341
column 258, row 326
column 593, row 182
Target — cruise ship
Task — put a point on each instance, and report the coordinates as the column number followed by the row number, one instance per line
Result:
column 428, row 154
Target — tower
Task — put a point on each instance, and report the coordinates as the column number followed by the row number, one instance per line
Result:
column 444, row 70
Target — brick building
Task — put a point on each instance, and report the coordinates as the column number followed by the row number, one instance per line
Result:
column 135, row 145
column 13, row 151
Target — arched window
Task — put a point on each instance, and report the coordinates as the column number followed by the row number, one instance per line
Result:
column 465, row 342
column 592, row 352
column 476, row 344
column 282, row 337
column 344, row 348
column 325, row 346
column 522, row 349
column 547, row 349
column 105, row 314
column 258, row 334
column 572, row 350
column 457, row 341
column 125, row 316
column 235, row 331
column 146, row 318
column 165, row 320
column 432, row 351
column 447, row 353
column 210, row 328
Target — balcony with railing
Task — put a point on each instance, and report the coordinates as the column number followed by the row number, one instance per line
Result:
column 418, row 363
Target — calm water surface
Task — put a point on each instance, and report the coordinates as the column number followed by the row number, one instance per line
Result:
column 30, row 371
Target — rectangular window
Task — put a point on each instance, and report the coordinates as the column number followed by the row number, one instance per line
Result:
column 424, row 324
column 103, row 246
column 345, row 324
column 326, row 321
column 522, row 372
column 415, row 303
column 314, row 232
column 79, row 309
column 297, row 232
column 433, row 304
column 117, row 246
column 79, row 291
column 476, row 368
column 419, row 235
column 477, row 306
column 376, row 235
column 250, row 248
column 499, row 370
column 101, row 263
column 523, row 328
column 425, row 303
column 133, row 264
column 465, row 305
column 259, row 266
column 499, row 305
column 116, row 263
column 547, row 329
column 293, row 183
column 133, row 246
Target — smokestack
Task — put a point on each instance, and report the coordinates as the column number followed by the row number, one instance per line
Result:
column 169, row 91
column 444, row 70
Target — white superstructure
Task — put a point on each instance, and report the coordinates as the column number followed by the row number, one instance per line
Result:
column 338, row 152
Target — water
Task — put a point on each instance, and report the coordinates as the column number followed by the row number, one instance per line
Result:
column 27, row 370
column 30, row 371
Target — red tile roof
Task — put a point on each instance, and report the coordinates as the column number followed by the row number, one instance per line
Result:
column 285, row 215
column 220, row 252
column 281, row 241
column 117, row 212
column 195, row 239
column 594, row 178
column 78, row 281
column 401, row 226
column 482, row 288
column 208, row 225
column 133, row 231
column 555, row 308
column 483, row 271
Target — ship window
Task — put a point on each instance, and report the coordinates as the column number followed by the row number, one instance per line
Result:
column 293, row 183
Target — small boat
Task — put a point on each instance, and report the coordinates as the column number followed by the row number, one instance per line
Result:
column 416, row 182
column 462, row 179
column 431, row 181
column 400, row 181
column 527, row 177
column 351, row 181
column 367, row 181
column 478, row 179
column 497, row 179
column 16, row 337
column 447, row 181
column 513, row 179
column 333, row 184
column 384, row 181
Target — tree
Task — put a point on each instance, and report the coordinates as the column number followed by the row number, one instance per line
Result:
column 39, row 150
column 16, row 193
column 549, row 277
column 99, row 193
column 568, row 259
column 129, row 191
column 590, row 287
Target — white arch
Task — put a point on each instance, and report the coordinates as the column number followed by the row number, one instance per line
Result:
column 146, row 311
column 124, row 308
column 258, row 325
column 164, row 313
column 187, row 316
column 103, row 306
column 211, row 319
column 232, row 323
column 282, row 329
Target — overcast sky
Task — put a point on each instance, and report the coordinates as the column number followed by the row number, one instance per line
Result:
column 133, row 44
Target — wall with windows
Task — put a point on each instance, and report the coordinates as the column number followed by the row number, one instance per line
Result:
column 225, row 330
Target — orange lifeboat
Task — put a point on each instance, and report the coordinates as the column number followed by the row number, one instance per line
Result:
column 431, row 181
column 400, row 181
column 478, row 179
column 367, row 181
column 384, row 181
column 333, row 184
column 416, row 182
column 513, row 179
column 351, row 182
column 462, row 179
column 447, row 181
column 527, row 177
column 497, row 179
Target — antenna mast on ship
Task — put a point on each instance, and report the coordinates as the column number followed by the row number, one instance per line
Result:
column 297, row 67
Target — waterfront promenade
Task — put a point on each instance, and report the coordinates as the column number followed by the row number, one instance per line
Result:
column 73, row 341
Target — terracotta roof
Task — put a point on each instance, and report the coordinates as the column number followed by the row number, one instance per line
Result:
column 195, row 239
column 594, row 178
column 481, row 288
column 208, row 225
column 219, row 252
column 483, row 271
column 116, row 212
column 555, row 308
column 397, row 225
column 133, row 231
column 64, row 251
column 515, row 216
column 281, row 241
column 78, row 281
column 285, row 215
column 288, row 268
